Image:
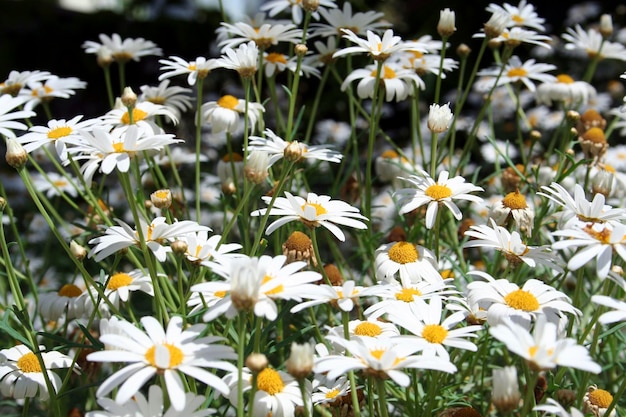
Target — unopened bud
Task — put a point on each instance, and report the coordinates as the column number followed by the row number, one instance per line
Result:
column 300, row 361
column 16, row 155
column 179, row 247
column 602, row 182
column 496, row 24
column 257, row 166
column 129, row 98
column 256, row 362
column 3, row 203
column 294, row 151
column 301, row 49
column 463, row 50
column 606, row 25
column 310, row 5
column 446, row 26
column 161, row 198
column 77, row 250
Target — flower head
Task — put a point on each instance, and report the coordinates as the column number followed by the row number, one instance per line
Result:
column 122, row 50
column 378, row 48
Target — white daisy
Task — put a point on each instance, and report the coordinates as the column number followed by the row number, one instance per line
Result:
column 337, row 19
column 264, row 36
column 122, row 50
column 413, row 263
column 53, row 184
column 176, row 99
column 591, row 43
column 244, row 59
column 516, row 71
column 619, row 312
column 330, row 392
column 52, row 87
column 198, row 68
column 565, row 90
column 68, row 302
column 21, row 375
column 274, row 7
column 8, row 116
column 224, row 114
column 544, row 348
column 143, row 113
column 314, row 212
column 344, row 296
column 521, row 15
column 19, row 79
column 435, row 193
column 119, row 285
column 164, row 352
column 397, row 81
column 516, row 36
column 378, row 48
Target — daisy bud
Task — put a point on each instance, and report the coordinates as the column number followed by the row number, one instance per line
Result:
column 593, row 143
column 256, row 168
column 301, row 49
column 439, row 118
column 596, row 401
column 161, row 198
column 129, row 98
column 225, row 167
column 446, row 27
column 463, row 50
column 104, row 57
column 245, row 285
column 299, row 247
column 496, row 24
column 300, row 361
column 602, row 182
column 334, row 275
column 256, row 362
column 16, row 156
column 565, row 397
column 294, row 151
column 179, row 247
column 606, row 25
column 590, row 118
column 77, row 250
column 310, row 5
column 3, row 204
column 572, row 115
column 505, row 395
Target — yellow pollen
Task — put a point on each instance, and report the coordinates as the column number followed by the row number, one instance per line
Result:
column 447, row 273
column 514, row 201
column 595, row 135
column 377, row 353
column 319, row 209
column 388, row 73
column 270, row 381
column 517, row 72
column 603, row 237
column 149, row 234
column 389, row 154
column 138, row 115
column 277, row 290
column 564, row 79
column 162, row 194
column 119, row 280
column 417, row 54
column 522, row 300
column 235, row 157
column 610, row 168
column 332, row 393
column 517, row 19
column 29, row 363
column 176, row 355
column 118, row 147
column 368, row 329
column 299, row 242
column 70, row 290
column 220, row 294
column 379, row 46
column 276, row 58
column 228, row 102
column 59, row 132
column 600, row 398
column 438, row 192
column 434, row 333
column 192, row 66
column 59, row 183
column 403, row 253
column 408, row 294
column 532, row 351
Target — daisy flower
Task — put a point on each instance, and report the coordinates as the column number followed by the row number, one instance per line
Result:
column 153, row 406
column 277, row 393
column 274, row 7
column 380, row 358
column 68, row 302
column 19, row 79
column 119, row 285
column 344, row 296
column 511, row 246
column 397, row 81
column 244, row 59
column 163, row 352
column 513, row 207
column 58, row 134
column 314, row 212
column 577, row 209
column 8, row 116
column 53, row 87
column 337, row 19
column 144, row 113
column 122, row 50
column 278, row 148
column 372, row 327
column 378, row 48
column 53, row 184
column 553, row 407
column 224, row 114
column 108, row 151
column 591, row 43
column 413, row 263
column 330, row 392
column 516, row 71
column 521, row 15
column 275, row 62
column 619, row 312
column 198, row 68
column 566, row 90
column 156, row 235
column 175, row 99
column 544, row 348
column 435, row 193
column 598, row 241
column 21, row 375
column 207, row 250
column 516, row 36
column 264, row 36
column 504, row 300
column 428, row 332
column 597, row 401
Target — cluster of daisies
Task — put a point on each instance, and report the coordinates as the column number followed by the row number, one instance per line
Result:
column 191, row 254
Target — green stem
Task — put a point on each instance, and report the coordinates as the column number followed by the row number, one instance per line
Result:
column 382, row 397
column 529, row 398
column 241, row 345
column 198, row 144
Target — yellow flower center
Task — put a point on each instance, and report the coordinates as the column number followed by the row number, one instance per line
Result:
column 434, row 333
column 517, row 72
column 319, row 209
column 564, row 79
column 514, row 201
column 595, row 135
column 192, row 66
column 176, row 355
column 299, row 242
column 59, row 132
column 118, row 147
column 522, row 300
column 438, row 192
column 532, row 351
column 600, row 398
column 276, row 58
column 220, row 294
column 368, row 329
column 138, row 115
column 59, row 183
column 388, row 73
column 389, row 154
column 162, row 194
column 603, row 236
column 234, row 157
column 517, row 19
column 407, row 294
column 332, row 393
column 119, row 280
column 270, row 381
column 29, row 363
column 403, row 253
column 228, row 102
column 70, row 290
